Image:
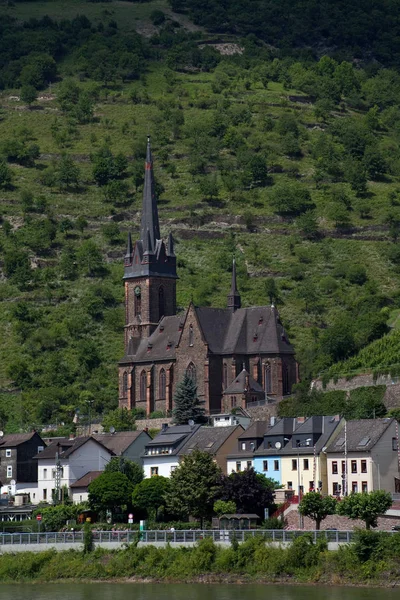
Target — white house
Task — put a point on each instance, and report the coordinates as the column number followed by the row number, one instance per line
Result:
column 72, row 458
column 364, row 457
column 161, row 455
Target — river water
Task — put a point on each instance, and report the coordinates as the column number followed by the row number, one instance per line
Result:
column 137, row 591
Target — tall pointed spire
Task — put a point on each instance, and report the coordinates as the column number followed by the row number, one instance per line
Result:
column 234, row 300
column 149, row 206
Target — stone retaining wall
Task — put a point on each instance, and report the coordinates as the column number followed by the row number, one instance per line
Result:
column 152, row 423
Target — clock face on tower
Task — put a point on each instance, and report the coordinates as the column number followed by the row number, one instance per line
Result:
column 137, row 291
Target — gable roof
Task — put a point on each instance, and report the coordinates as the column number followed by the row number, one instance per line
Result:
column 84, row 481
column 362, row 435
column 16, row 439
column 257, row 429
column 243, row 383
column 160, row 345
column 119, row 441
column 174, row 436
column 65, row 447
column 209, row 439
column 255, row 330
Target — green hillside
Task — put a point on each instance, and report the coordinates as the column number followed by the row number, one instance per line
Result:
column 290, row 163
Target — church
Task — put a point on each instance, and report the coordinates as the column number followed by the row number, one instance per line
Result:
column 237, row 356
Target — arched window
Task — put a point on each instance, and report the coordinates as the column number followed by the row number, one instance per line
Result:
column 162, row 385
column 143, row 386
column 138, row 301
column 268, row 379
column 190, row 335
column 285, row 380
column 125, row 383
column 161, row 302
column 225, row 375
column 191, row 372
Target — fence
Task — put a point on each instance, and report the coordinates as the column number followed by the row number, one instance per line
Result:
column 178, row 537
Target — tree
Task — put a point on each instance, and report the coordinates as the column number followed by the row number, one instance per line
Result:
column 365, row 506
column 290, row 198
column 224, row 507
column 186, row 403
column 5, row 174
column 120, row 418
column 308, row 225
column 317, row 507
column 68, row 172
column 194, row 486
column 248, row 491
column 110, row 490
column 89, row 258
column 28, row 94
column 271, row 290
column 133, row 471
column 149, row 495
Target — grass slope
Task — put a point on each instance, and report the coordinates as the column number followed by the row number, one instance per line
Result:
column 208, row 230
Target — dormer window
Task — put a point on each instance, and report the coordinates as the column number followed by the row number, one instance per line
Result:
column 161, row 328
column 180, row 327
column 149, row 347
column 169, row 344
column 255, row 337
column 260, row 320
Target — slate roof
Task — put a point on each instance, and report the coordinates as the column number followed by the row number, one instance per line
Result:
column 119, row 441
column 257, row 429
column 161, row 344
column 329, row 425
column 175, row 436
column 209, row 439
column 16, row 439
column 255, row 330
column 244, row 382
column 366, row 431
column 65, row 447
column 84, row 481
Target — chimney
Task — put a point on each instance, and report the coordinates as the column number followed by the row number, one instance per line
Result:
column 164, row 427
column 71, row 436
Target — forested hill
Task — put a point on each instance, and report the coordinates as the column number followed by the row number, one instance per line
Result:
column 289, row 161
column 363, row 29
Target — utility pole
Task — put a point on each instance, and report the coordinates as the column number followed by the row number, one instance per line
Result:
column 57, row 477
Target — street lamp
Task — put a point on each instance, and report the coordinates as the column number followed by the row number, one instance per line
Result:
column 300, row 445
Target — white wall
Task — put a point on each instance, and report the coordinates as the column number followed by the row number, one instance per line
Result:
column 163, row 463
column 79, row 495
column 232, row 464
column 89, row 457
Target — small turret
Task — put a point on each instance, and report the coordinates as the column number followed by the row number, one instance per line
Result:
column 234, row 300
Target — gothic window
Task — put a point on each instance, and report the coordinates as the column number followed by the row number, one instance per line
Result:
column 268, row 379
column 285, row 380
column 138, row 301
column 162, row 385
column 191, row 372
column 143, row 386
column 161, row 302
column 225, row 375
column 190, row 335
column 125, row 384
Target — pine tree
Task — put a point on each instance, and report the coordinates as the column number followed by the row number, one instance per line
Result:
column 186, row 403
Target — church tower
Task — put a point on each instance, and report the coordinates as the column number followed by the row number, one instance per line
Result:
column 149, row 270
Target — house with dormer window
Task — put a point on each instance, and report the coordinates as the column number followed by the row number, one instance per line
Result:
column 364, row 458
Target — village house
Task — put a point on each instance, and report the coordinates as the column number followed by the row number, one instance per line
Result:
column 364, row 458
column 65, row 461
column 164, row 453
column 128, row 444
column 18, row 472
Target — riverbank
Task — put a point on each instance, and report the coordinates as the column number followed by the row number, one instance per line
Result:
column 374, row 558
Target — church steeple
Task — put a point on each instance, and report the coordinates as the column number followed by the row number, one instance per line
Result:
column 234, row 300
column 149, row 222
